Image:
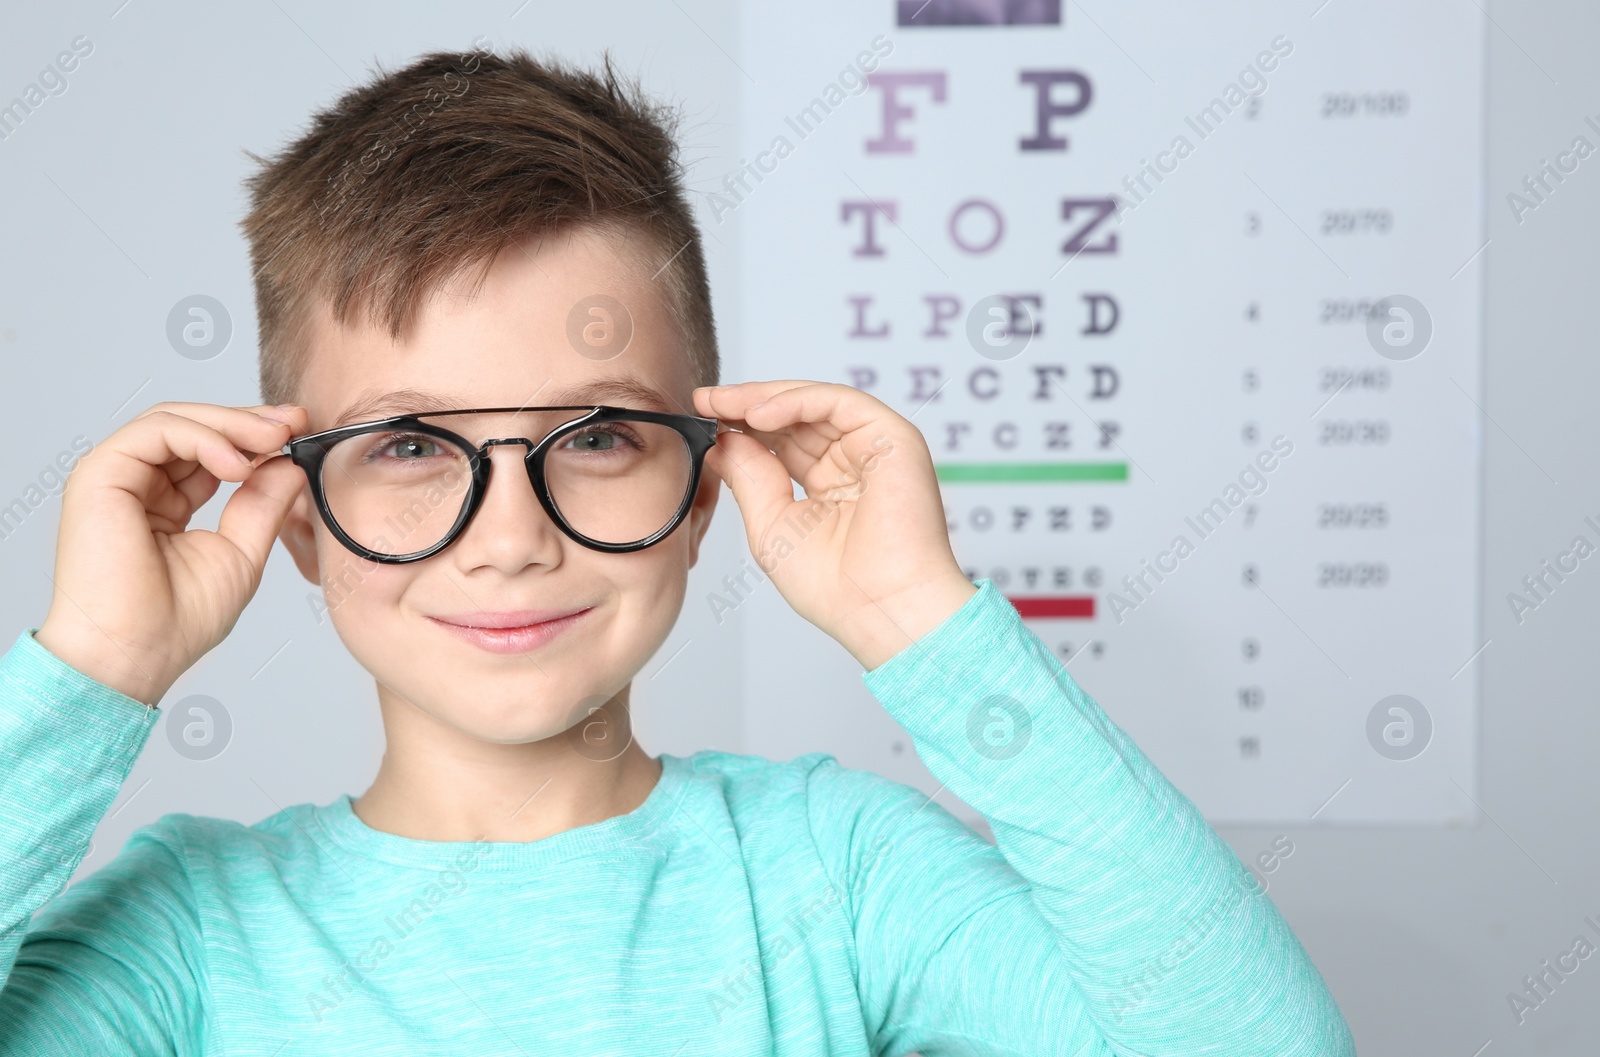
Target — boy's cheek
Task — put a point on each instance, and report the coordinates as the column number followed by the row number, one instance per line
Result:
column 355, row 588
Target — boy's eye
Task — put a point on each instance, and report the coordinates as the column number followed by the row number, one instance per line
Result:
column 608, row 437
column 405, row 447
column 414, row 447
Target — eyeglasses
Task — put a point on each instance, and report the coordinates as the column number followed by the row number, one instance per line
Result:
column 403, row 488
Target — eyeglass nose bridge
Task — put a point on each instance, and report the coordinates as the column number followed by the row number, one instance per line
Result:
column 524, row 441
column 481, row 473
column 485, row 464
column 534, row 470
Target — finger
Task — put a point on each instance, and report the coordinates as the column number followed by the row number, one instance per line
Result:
column 179, row 469
column 804, row 437
column 857, row 422
column 812, row 438
column 254, row 514
column 797, row 462
column 160, row 437
column 760, row 484
column 297, row 418
column 819, row 467
column 251, row 429
column 730, row 401
column 170, row 506
column 821, row 404
column 803, row 423
column 197, row 488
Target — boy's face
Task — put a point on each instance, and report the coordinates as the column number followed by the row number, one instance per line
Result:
column 505, row 346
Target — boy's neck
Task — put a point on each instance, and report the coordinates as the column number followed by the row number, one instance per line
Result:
column 443, row 785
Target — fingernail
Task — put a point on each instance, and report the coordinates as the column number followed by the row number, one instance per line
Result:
column 242, row 457
column 291, row 408
column 755, row 405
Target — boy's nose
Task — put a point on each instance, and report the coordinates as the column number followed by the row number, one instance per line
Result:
column 511, row 529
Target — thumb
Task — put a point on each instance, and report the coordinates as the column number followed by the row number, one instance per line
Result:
column 254, row 514
column 760, row 484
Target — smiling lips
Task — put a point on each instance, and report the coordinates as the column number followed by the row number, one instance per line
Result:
column 511, row 632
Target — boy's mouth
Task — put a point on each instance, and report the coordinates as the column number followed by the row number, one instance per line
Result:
column 511, row 632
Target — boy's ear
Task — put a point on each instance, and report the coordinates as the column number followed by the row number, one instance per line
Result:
column 700, row 510
column 299, row 538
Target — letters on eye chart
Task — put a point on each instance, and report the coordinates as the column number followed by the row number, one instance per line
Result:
column 942, row 319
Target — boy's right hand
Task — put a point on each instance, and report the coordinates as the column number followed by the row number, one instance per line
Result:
column 138, row 599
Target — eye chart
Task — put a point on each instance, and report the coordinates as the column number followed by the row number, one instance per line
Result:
column 1186, row 302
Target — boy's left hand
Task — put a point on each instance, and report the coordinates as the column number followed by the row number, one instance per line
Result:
column 866, row 555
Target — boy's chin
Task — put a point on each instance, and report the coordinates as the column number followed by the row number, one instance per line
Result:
column 583, row 728
column 516, row 726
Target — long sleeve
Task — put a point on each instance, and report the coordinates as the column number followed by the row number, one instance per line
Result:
column 99, row 968
column 1108, row 917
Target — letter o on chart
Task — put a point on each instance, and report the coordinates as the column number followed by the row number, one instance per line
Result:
column 997, row 222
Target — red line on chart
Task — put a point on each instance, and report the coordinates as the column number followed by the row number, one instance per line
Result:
column 1074, row 606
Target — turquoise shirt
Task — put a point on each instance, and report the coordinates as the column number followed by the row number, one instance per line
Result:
column 746, row 907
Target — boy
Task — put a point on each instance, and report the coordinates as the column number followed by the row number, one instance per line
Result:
column 513, row 265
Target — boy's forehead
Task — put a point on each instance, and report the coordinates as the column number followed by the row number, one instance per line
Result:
column 562, row 320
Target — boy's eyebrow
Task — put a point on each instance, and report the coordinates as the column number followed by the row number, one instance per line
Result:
column 625, row 391
column 396, row 402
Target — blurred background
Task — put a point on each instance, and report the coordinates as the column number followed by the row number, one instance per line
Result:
column 1250, row 341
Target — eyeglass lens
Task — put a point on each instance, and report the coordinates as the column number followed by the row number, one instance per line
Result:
column 399, row 492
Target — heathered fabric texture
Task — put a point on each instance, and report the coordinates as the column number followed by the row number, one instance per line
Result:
column 746, row 907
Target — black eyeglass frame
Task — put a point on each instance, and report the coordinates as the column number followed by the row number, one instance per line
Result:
column 309, row 452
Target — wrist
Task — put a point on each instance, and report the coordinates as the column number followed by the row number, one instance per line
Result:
column 889, row 625
column 93, row 654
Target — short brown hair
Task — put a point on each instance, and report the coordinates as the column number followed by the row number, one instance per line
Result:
column 428, row 169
